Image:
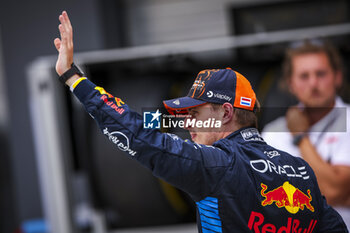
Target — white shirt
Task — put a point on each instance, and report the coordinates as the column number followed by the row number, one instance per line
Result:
column 330, row 136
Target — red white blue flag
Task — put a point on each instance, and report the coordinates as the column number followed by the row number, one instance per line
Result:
column 246, row 101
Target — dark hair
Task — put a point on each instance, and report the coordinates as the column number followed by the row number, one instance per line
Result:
column 246, row 118
column 307, row 47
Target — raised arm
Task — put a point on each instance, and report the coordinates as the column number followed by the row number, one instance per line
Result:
column 196, row 169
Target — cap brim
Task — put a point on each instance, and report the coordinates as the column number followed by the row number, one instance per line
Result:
column 180, row 105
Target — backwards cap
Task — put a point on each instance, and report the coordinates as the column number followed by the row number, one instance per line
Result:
column 215, row 86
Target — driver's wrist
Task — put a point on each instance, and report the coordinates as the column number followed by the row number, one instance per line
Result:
column 62, row 71
column 72, row 80
column 71, row 75
column 76, row 83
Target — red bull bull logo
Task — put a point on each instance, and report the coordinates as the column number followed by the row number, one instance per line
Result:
column 287, row 196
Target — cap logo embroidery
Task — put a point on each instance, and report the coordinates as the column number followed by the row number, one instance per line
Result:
column 198, row 87
column 176, row 102
column 210, row 94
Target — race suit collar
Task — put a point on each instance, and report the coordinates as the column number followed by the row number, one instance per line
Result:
column 247, row 134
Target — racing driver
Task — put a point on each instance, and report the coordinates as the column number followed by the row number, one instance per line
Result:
column 239, row 183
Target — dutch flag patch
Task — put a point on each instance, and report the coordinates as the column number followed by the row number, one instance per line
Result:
column 246, row 101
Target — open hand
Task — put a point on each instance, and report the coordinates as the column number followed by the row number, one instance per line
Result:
column 64, row 45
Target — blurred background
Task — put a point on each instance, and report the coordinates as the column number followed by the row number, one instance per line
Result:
column 57, row 172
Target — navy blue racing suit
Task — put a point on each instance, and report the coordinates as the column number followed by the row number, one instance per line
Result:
column 240, row 184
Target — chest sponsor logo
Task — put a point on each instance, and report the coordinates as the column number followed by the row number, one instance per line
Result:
column 258, row 224
column 266, row 166
column 272, row 153
column 121, row 140
column 287, row 196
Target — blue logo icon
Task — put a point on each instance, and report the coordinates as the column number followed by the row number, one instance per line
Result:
column 151, row 120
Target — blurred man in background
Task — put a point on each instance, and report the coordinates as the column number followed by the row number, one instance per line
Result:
column 317, row 129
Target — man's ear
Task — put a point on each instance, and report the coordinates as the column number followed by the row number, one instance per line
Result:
column 228, row 113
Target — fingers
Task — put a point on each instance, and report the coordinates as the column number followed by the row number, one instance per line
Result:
column 64, row 44
column 64, row 19
column 63, row 34
column 63, row 23
column 66, row 29
column 57, row 43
